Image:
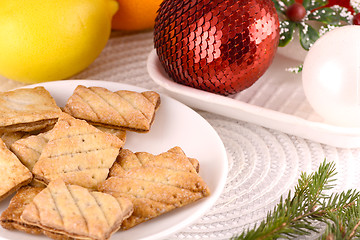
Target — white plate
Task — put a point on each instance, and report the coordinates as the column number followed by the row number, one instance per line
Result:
column 175, row 125
column 276, row 101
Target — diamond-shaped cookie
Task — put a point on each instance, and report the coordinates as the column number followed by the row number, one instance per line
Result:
column 74, row 211
column 78, row 153
column 121, row 109
column 156, row 184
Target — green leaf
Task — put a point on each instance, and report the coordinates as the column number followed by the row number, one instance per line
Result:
column 286, row 32
column 280, row 6
column 288, row 2
column 308, row 35
column 332, row 16
column 313, row 4
column 325, row 15
column 343, row 13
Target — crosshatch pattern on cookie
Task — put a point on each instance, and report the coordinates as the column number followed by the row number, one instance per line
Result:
column 155, row 183
column 121, row 109
column 75, row 211
column 29, row 149
column 78, row 153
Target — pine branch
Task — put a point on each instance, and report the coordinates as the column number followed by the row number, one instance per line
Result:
column 294, row 216
column 354, row 230
column 344, row 221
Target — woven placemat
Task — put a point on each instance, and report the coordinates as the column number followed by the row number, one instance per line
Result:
column 263, row 164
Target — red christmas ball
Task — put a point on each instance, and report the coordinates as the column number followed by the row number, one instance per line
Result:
column 220, row 46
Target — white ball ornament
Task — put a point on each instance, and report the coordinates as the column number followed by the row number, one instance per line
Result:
column 331, row 76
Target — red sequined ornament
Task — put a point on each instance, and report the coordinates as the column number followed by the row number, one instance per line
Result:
column 220, row 46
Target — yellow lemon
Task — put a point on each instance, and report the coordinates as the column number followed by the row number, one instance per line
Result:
column 134, row 15
column 53, row 39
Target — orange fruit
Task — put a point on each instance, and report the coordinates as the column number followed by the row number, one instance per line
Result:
column 135, row 15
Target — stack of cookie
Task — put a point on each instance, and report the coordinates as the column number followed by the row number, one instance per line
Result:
column 72, row 177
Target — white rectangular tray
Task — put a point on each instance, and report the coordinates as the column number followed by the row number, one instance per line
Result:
column 275, row 101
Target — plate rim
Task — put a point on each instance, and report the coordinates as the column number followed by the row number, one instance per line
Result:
column 210, row 200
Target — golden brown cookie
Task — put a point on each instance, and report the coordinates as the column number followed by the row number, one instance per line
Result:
column 10, row 218
column 195, row 163
column 29, row 149
column 27, row 110
column 156, row 184
column 120, row 133
column 11, row 137
column 122, row 109
column 78, row 153
column 76, row 212
column 13, row 173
